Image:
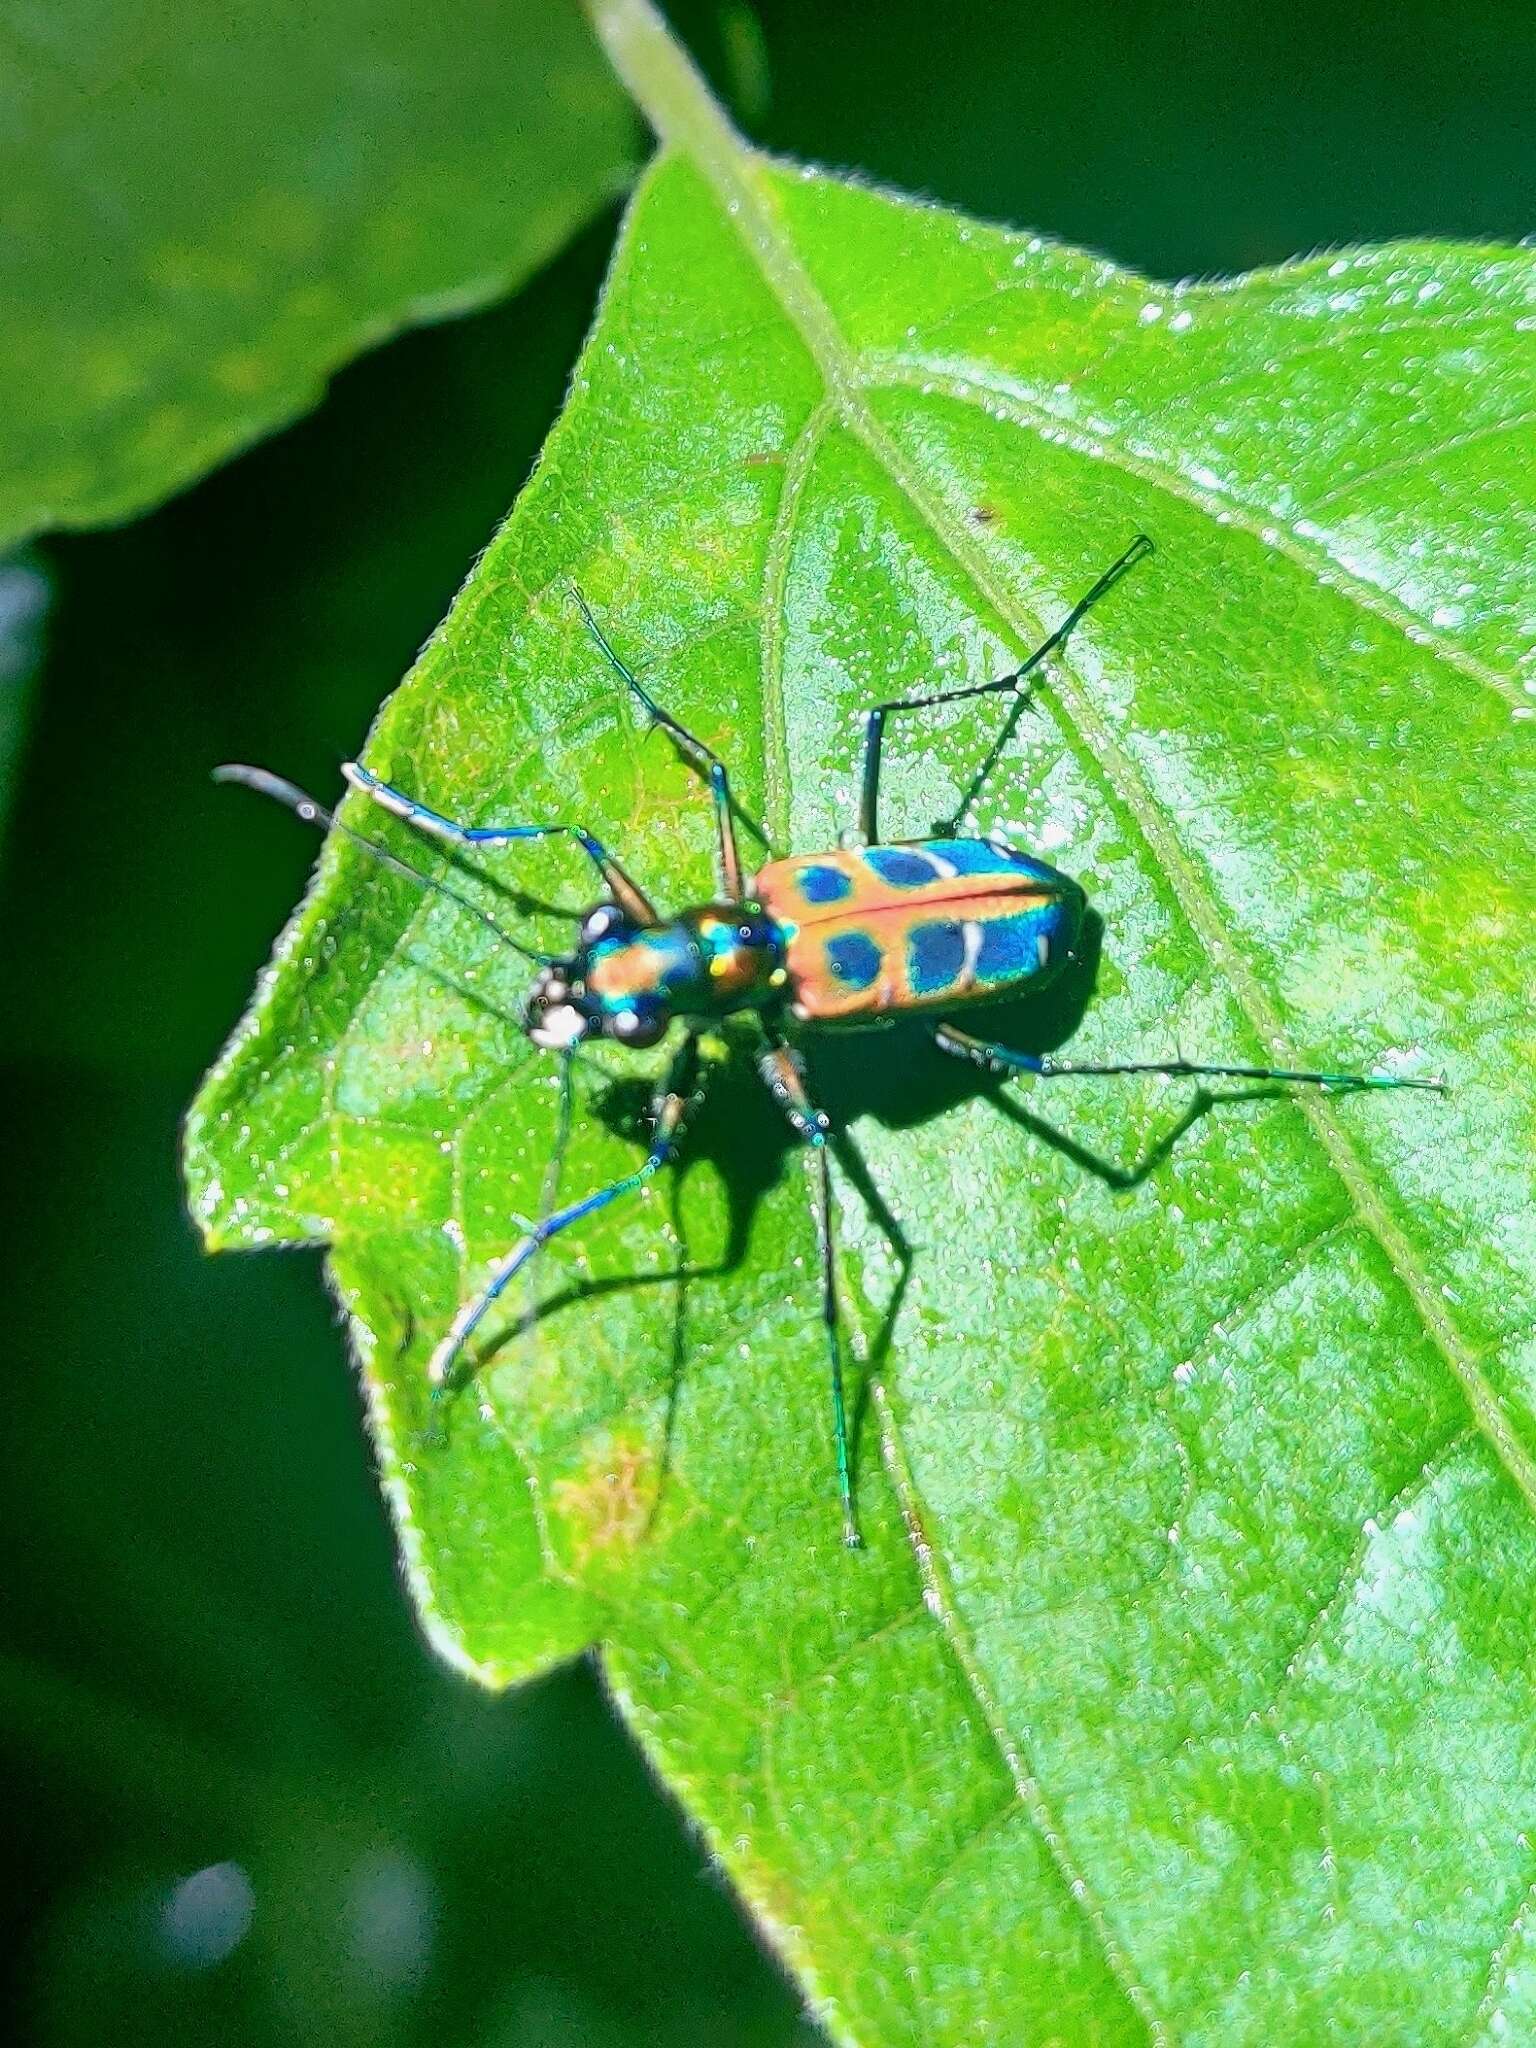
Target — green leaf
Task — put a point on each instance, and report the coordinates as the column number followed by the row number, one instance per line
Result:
column 204, row 214
column 1186, row 1690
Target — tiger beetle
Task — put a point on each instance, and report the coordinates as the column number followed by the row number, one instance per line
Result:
column 851, row 937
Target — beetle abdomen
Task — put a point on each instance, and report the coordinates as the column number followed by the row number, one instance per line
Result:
column 930, row 924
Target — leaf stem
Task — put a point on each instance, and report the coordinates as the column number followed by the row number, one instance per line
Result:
column 671, row 92
column 665, row 83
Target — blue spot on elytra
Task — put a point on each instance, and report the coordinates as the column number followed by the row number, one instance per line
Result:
column 854, row 958
column 902, row 870
column 1010, row 948
column 983, row 857
column 935, row 956
column 823, row 885
column 974, row 856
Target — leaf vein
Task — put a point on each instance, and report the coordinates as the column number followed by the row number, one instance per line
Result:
column 1419, row 1482
column 1398, row 464
column 1025, row 1788
column 1025, row 1780
column 1029, row 410
column 1498, row 1969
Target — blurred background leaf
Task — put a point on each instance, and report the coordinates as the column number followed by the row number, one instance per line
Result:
column 196, row 1413
column 205, row 211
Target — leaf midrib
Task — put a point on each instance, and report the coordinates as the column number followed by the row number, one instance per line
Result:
column 1026, row 1794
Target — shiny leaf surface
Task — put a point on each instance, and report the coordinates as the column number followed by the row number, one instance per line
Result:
column 1185, row 1690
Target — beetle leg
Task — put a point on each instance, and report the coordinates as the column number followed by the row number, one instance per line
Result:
column 281, row 791
column 874, row 719
column 628, row 894
column 670, row 1106
column 705, row 759
column 1004, row 1059
column 782, row 1076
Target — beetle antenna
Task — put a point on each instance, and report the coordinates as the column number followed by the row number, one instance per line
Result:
column 313, row 812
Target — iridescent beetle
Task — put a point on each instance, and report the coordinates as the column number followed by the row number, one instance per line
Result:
column 840, row 939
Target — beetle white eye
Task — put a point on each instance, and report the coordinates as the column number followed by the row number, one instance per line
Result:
column 599, row 923
column 626, row 1024
column 559, row 1026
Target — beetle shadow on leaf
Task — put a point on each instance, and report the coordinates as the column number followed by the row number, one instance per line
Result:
column 914, row 1081
column 895, row 1075
column 737, row 1129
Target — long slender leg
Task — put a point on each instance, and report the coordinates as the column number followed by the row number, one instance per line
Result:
column 705, row 759
column 626, row 892
column 874, row 720
column 781, row 1071
column 281, row 791
column 673, row 1101
column 1004, row 1059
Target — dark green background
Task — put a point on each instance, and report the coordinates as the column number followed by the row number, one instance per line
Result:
column 209, row 1658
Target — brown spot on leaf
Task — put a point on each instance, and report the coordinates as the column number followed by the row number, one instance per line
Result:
column 984, row 515
column 608, row 1504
